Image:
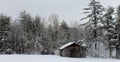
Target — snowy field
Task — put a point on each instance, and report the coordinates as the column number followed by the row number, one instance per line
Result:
column 50, row 58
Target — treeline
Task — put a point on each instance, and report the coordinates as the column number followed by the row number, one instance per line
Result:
column 35, row 35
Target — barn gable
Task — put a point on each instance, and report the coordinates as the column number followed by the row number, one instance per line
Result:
column 72, row 49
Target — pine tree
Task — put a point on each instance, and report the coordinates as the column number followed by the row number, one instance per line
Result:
column 4, row 32
column 108, row 22
column 95, row 12
column 26, row 25
column 118, row 33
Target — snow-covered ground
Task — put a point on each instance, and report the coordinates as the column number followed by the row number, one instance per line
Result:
column 50, row 58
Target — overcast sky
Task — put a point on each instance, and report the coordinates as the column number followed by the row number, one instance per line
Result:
column 69, row 10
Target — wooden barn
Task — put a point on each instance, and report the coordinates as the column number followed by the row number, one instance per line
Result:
column 72, row 49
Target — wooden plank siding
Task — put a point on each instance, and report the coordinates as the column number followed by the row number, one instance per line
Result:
column 73, row 50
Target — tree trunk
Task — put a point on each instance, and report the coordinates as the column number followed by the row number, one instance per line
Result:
column 110, row 49
column 118, row 48
column 95, row 25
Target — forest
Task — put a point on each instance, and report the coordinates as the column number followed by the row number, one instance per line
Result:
column 29, row 34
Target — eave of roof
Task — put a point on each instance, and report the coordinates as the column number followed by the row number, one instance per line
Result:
column 64, row 46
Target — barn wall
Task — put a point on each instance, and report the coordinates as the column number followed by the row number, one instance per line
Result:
column 66, row 52
column 79, row 52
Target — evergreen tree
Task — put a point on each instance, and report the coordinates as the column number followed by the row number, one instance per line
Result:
column 108, row 22
column 4, row 32
column 26, row 25
column 118, row 32
column 95, row 13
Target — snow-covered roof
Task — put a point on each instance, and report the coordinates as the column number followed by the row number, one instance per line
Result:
column 68, row 44
column 64, row 46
